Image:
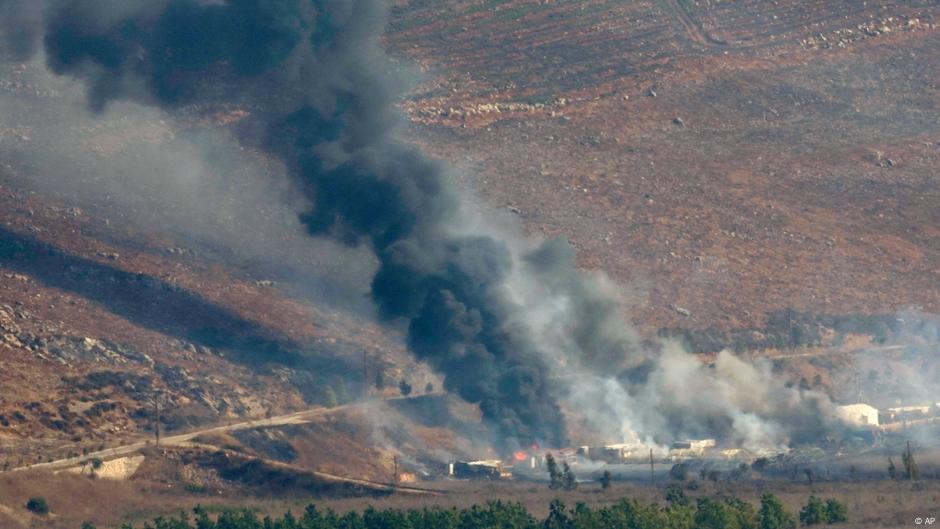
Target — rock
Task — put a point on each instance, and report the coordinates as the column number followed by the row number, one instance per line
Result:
column 678, row 121
column 683, row 312
column 651, row 93
column 265, row 283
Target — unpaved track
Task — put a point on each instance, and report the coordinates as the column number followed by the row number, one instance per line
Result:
column 692, row 26
column 299, row 417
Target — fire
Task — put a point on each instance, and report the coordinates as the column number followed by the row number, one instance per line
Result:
column 520, row 456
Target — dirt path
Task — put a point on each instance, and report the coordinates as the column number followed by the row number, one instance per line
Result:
column 299, row 417
column 693, row 28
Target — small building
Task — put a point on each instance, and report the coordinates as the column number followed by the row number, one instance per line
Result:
column 485, row 469
column 614, row 453
column 858, row 414
column 691, row 447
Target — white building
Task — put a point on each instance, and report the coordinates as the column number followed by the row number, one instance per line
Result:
column 858, row 414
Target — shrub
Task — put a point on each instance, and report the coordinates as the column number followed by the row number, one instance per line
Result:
column 404, row 387
column 37, row 505
column 605, row 480
column 679, row 472
column 814, row 512
column 836, row 511
column 554, row 475
column 773, row 515
column 675, row 495
column 568, row 479
column 96, row 463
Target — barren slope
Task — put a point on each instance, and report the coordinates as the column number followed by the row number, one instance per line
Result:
column 734, row 159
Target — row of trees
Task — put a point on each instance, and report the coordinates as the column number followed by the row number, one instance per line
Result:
column 679, row 513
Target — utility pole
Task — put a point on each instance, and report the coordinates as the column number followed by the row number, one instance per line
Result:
column 395, row 475
column 652, row 475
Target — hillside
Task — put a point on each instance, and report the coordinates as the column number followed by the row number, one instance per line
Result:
column 739, row 167
column 733, row 159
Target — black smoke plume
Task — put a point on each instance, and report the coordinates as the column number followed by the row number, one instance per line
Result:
column 320, row 92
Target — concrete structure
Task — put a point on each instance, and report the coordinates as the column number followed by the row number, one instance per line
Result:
column 858, row 414
column 487, row 469
column 615, row 453
column 690, row 448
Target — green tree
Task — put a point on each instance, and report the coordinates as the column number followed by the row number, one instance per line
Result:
column 773, row 515
column 329, row 397
column 342, row 392
column 37, row 505
column 404, row 387
column 910, row 466
column 568, row 479
column 892, row 469
column 837, row 511
column 713, row 514
column 554, row 475
column 558, row 517
column 814, row 512
column 675, row 495
column 88, row 525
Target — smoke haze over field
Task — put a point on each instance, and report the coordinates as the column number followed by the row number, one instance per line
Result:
column 512, row 325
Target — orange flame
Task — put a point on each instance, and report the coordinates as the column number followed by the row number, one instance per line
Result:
column 520, row 456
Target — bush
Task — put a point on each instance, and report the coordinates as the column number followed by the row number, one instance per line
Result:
column 675, row 495
column 96, row 463
column 404, row 387
column 837, row 511
column 814, row 512
column 37, row 505
column 568, row 479
column 679, row 472
column 605, row 480
column 773, row 515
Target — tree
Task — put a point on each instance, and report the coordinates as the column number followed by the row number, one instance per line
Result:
column 329, row 397
column 892, row 470
column 429, row 388
column 88, row 525
column 557, row 517
column 836, row 511
column 910, row 467
column 96, row 463
column 404, row 387
column 675, row 495
column 605, row 480
column 679, row 472
column 554, row 475
column 37, row 505
column 568, row 479
column 380, row 380
column 814, row 512
column 773, row 515
column 342, row 392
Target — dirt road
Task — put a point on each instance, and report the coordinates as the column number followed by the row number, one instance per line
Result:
column 300, row 417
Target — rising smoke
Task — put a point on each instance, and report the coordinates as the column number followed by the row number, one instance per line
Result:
column 513, row 328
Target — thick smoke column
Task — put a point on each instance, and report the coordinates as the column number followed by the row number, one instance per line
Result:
column 512, row 328
column 320, row 92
